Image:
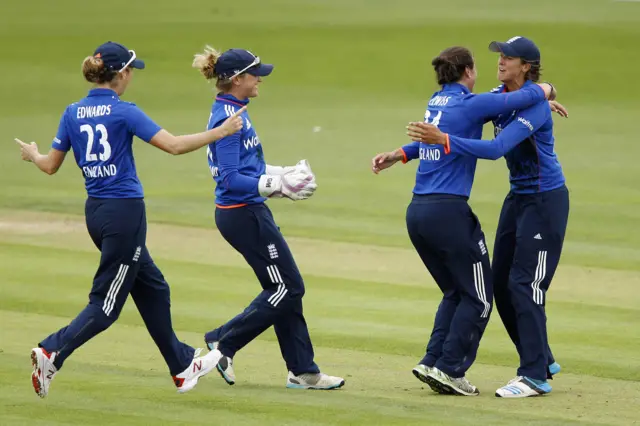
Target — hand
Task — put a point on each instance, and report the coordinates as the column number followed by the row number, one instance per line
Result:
column 559, row 108
column 384, row 161
column 28, row 151
column 233, row 123
column 426, row 133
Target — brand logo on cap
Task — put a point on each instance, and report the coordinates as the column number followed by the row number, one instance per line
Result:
column 512, row 39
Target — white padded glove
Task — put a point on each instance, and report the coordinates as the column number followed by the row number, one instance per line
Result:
column 295, row 185
column 302, row 165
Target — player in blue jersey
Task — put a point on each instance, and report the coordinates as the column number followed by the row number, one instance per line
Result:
column 534, row 216
column 100, row 130
column 443, row 228
column 243, row 182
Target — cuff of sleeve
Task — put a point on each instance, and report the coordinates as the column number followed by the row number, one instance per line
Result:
column 447, row 145
column 405, row 160
column 541, row 91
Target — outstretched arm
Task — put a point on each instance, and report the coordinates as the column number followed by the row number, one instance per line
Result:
column 48, row 163
column 177, row 145
column 385, row 160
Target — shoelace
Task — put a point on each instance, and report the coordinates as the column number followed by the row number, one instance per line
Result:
column 197, row 353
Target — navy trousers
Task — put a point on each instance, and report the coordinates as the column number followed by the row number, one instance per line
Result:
column 526, row 254
column 118, row 228
column 450, row 242
column 252, row 231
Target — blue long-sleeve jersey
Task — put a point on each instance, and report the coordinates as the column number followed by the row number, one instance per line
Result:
column 457, row 111
column 525, row 138
column 236, row 161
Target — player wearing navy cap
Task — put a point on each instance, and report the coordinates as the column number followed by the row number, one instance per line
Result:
column 100, row 130
column 534, row 215
column 443, row 228
column 243, row 182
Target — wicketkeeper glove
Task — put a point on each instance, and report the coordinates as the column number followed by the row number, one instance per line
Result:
column 296, row 184
column 302, row 165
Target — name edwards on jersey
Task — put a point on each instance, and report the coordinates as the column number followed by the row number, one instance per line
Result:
column 93, row 111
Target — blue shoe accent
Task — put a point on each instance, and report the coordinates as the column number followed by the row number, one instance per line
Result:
column 541, row 386
column 224, row 375
column 294, row 386
column 554, row 368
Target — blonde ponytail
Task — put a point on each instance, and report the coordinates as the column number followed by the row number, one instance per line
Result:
column 206, row 62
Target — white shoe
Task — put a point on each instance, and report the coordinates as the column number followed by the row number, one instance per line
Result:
column 224, row 366
column 444, row 384
column 200, row 366
column 43, row 370
column 421, row 372
column 522, row 387
column 314, row 381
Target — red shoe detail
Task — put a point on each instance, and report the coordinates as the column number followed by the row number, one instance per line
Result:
column 178, row 381
column 34, row 359
column 197, row 365
column 36, row 383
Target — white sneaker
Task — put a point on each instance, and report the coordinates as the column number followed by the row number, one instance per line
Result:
column 442, row 383
column 522, row 387
column 224, row 366
column 421, row 372
column 43, row 370
column 314, row 381
column 200, row 366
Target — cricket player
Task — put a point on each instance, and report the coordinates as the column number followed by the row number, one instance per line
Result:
column 243, row 182
column 444, row 230
column 534, row 215
column 100, row 130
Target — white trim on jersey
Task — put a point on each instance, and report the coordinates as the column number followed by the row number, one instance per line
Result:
column 229, row 110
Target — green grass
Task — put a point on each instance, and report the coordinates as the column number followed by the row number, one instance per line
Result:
column 359, row 70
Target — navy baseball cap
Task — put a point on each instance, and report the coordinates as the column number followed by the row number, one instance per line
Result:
column 517, row 47
column 234, row 62
column 116, row 57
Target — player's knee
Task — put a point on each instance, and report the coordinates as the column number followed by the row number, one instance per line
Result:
column 103, row 319
column 297, row 291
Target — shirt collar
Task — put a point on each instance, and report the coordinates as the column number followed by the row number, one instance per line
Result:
column 225, row 97
column 456, row 87
column 103, row 92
